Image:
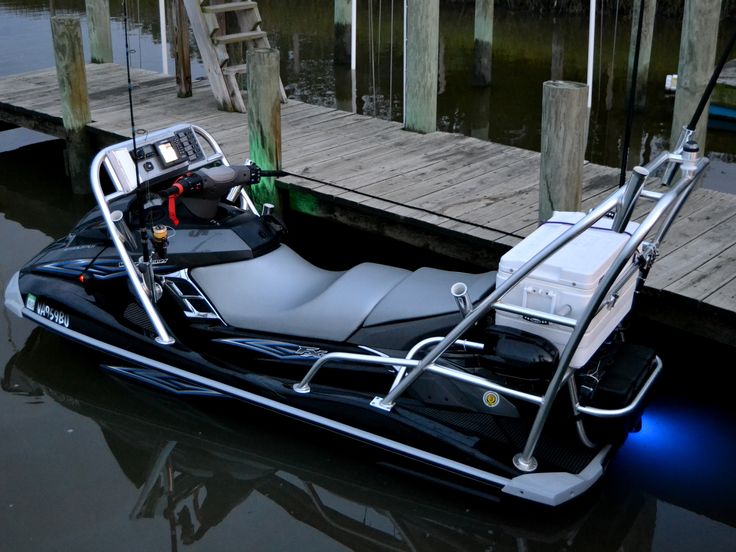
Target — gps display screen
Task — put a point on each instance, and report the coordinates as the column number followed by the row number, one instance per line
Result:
column 168, row 153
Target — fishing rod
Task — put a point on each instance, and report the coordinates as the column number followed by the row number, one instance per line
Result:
column 140, row 192
column 632, row 97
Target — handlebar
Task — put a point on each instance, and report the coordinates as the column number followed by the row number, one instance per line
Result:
column 215, row 182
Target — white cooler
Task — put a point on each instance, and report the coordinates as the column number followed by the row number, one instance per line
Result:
column 564, row 284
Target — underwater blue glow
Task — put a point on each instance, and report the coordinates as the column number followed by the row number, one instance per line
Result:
column 682, row 444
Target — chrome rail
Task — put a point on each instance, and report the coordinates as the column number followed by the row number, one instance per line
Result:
column 450, row 373
column 667, row 206
column 539, row 315
column 137, row 279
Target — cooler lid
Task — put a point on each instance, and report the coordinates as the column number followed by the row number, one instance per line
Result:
column 581, row 263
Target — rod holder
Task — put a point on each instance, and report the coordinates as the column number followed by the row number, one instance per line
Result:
column 122, row 228
column 459, row 291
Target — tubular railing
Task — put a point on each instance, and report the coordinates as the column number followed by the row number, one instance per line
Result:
column 137, row 280
column 621, row 202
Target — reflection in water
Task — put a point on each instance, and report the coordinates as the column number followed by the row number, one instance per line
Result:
column 195, row 466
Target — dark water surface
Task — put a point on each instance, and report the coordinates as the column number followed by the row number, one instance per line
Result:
column 88, row 462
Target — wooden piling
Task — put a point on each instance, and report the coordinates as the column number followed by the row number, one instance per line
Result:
column 182, row 62
column 697, row 57
column 343, row 31
column 645, row 49
column 483, row 42
column 264, row 118
column 564, row 128
column 66, row 33
column 422, row 43
column 100, row 35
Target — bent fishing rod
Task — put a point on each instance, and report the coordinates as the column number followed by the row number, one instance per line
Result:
column 688, row 131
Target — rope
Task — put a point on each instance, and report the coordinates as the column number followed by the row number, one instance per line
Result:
column 392, row 202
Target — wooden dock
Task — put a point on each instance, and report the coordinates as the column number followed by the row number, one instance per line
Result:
column 456, row 195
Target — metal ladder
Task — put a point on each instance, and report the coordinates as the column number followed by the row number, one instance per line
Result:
column 212, row 41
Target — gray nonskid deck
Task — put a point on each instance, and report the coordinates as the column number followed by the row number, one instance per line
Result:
column 444, row 186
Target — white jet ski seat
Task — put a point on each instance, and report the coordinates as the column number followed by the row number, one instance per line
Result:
column 282, row 293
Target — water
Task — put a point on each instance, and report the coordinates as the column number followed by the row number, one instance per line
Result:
column 86, row 459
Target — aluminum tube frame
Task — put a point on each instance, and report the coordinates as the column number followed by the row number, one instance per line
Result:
column 546, row 316
column 628, row 409
column 134, row 276
column 683, row 186
column 451, row 373
column 303, row 385
column 487, row 304
column 424, row 343
column 482, row 382
column 634, row 186
column 667, row 223
column 654, row 196
column 669, row 172
column 399, row 363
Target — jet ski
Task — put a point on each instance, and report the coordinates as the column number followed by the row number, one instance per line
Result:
column 518, row 380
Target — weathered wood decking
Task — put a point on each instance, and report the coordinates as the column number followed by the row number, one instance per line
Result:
column 451, row 193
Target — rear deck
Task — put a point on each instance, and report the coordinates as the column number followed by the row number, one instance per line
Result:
column 452, row 194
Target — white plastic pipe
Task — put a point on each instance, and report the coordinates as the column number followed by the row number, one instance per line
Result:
column 591, row 48
column 403, row 99
column 353, row 34
column 164, row 41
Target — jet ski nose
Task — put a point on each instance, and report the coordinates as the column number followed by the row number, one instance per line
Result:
column 13, row 298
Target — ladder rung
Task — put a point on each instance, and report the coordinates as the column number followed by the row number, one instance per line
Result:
column 229, row 7
column 239, row 37
column 235, row 69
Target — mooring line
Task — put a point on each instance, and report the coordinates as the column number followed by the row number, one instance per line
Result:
column 422, row 209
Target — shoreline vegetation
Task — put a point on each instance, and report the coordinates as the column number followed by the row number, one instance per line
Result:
column 665, row 8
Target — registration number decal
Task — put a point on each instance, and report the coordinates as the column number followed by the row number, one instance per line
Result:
column 50, row 313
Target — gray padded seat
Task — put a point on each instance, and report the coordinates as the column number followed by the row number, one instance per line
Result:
column 426, row 292
column 282, row 293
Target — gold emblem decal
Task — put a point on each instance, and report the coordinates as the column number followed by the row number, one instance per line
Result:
column 491, row 399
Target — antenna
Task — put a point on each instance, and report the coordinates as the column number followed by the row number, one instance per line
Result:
column 140, row 192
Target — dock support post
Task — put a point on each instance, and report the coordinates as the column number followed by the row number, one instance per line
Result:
column 66, row 33
column 645, row 49
column 182, row 62
column 697, row 57
column 483, row 42
column 422, row 43
column 100, row 35
column 564, row 128
column 343, row 31
column 264, row 118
